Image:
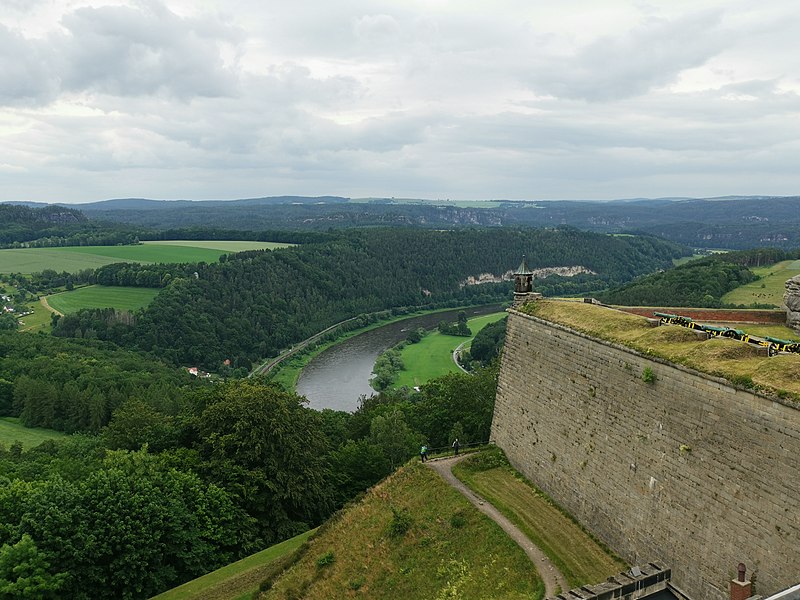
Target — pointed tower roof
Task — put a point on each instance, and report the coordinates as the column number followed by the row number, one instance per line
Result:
column 523, row 268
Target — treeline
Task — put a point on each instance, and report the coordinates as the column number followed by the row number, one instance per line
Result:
column 486, row 345
column 161, row 497
column 255, row 303
column 699, row 283
column 76, row 385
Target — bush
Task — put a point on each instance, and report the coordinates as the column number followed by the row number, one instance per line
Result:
column 325, row 560
column 458, row 519
column 401, row 522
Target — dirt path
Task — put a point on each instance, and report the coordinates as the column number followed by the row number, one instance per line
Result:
column 43, row 302
column 554, row 580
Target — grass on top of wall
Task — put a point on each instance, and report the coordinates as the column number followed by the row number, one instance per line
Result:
column 736, row 361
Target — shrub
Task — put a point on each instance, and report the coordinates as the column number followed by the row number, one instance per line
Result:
column 458, row 519
column 401, row 522
column 325, row 560
column 648, row 376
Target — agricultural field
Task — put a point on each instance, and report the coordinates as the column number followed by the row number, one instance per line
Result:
column 11, row 430
column 102, row 296
column 237, row 580
column 433, row 355
column 769, row 288
column 455, row 203
column 76, row 258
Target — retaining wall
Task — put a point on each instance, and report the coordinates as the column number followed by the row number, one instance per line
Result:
column 687, row 471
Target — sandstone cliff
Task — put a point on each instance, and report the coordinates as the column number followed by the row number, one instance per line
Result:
column 792, row 301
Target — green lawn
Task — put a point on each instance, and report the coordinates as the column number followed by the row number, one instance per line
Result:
column 684, row 259
column 236, row 580
column 773, row 279
column 75, row 258
column 433, row 355
column 102, row 296
column 11, row 430
column 38, row 321
column 577, row 555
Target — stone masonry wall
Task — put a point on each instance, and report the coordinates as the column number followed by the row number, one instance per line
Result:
column 686, row 471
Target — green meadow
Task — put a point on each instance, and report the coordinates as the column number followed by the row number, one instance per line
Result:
column 769, row 288
column 11, row 430
column 433, row 355
column 76, row 258
column 102, row 296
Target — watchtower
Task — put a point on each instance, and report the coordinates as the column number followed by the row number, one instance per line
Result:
column 523, row 284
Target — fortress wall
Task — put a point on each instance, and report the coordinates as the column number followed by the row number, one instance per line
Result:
column 687, row 470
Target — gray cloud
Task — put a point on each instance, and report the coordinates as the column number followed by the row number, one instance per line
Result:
column 126, row 51
column 633, row 62
column 170, row 99
column 25, row 73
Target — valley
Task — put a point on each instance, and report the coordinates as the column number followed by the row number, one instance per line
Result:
column 142, row 383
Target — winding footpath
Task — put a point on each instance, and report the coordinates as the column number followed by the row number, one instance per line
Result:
column 554, row 580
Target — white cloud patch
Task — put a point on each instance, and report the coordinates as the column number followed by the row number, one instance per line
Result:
column 177, row 98
column 633, row 62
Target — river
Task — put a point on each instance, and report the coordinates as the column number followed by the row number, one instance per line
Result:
column 339, row 376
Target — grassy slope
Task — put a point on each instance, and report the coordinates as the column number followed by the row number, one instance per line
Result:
column 433, row 558
column 11, row 430
column 772, row 277
column 722, row 357
column 75, row 258
column 433, row 355
column 101, row 296
column 236, row 580
column 580, row 558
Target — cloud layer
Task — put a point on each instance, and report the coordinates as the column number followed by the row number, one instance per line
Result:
column 181, row 99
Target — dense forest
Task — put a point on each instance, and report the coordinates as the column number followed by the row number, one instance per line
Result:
column 253, row 304
column 699, row 283
column 186, row 476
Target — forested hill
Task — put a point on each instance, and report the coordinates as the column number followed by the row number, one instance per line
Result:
column 698, row 283
column 731, row 222
column 254, row 304
column 21, row 223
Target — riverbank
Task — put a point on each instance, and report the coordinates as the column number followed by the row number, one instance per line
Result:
column 288, row 373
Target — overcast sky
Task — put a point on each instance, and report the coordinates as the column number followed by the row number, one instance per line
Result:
column 526, row 99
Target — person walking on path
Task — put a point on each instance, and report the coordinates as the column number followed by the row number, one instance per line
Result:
column 423, row 453
column 456, row 446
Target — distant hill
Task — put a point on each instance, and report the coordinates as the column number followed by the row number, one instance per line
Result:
column 734, row 222
column 19, row 222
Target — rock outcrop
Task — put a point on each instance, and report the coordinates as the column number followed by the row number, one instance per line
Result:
column 792, row 301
